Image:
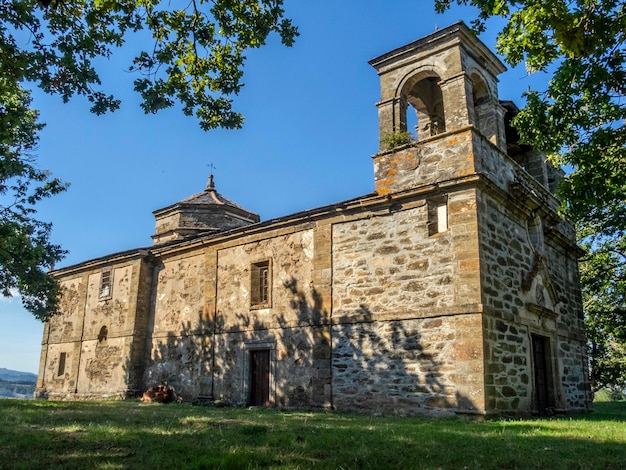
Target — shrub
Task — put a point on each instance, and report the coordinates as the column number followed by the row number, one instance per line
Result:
column 396, row 139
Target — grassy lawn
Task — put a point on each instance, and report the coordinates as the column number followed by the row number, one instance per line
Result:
column 112, row 435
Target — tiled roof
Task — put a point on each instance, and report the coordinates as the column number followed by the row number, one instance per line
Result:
column 208, row 197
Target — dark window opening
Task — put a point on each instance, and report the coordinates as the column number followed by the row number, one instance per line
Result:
column 426, row 100
column 102, row 336
column 61, row 369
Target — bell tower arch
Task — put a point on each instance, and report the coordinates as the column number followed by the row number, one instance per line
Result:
column 448, row 80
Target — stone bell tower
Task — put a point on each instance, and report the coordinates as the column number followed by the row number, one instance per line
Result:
column 447, row 82
column 512, row 258
column 448, row 79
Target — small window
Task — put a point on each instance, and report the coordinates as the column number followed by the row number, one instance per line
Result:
column 106, row 284
column 61, row 369
column 104, row 333
column 260, row 284
column 437, row 216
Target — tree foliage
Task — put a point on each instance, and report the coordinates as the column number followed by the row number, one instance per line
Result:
column 603, row 276
column 579, row 120
column 195, row 57
column 25, row 248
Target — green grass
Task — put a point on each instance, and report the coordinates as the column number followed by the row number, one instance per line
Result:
column 117, row 435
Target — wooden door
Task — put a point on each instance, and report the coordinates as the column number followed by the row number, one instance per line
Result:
column 542, row 384
column 260, row 378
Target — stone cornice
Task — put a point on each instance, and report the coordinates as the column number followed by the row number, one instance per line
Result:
column 436, row 41
column 108, row 260
column 291, row 223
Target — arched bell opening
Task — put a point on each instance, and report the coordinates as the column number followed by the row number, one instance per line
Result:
column 425, row 111
column 482, row 104
column 480, row 98
column 485, row 115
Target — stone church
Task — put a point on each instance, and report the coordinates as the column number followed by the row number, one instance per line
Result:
column 452, row 288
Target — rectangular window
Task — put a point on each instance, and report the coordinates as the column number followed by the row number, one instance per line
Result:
column 437, row 216
column 106, row 284
column 61, row 369
column 442, row 217
column 260, row 284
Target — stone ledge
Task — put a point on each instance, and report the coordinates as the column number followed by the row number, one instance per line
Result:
column 540, row 310
column 466, row 309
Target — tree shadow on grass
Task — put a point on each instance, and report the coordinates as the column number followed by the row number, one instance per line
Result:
column 129, row 435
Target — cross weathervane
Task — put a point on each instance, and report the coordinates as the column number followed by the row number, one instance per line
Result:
column 211, row 184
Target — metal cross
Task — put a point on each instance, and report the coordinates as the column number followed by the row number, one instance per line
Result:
column 211, row 183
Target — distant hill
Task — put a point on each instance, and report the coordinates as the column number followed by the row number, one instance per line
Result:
column 14, row 384
column 15, row 376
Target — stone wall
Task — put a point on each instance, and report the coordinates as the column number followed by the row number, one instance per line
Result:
column 51, row 384
column 430, row 366
column 508, row 373
column 59, row 335
column 299, row 365
column 573, row 371
column 98, row 336
column 182, row 361
column 507, row 255
column 103, row 368
column 109, row 332
column 293, row 326
column 292, row 300
column 530, row 287
column 432, row 161
column 388, row 266
column 179, row 327
column 203, row 325
column 407, row 328
column 113, row 314
column 66, row 325
column 179, row 295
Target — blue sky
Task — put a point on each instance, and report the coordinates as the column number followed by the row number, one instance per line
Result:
column 311, row 127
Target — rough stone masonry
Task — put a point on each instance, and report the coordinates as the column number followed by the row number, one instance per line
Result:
column 451, row 289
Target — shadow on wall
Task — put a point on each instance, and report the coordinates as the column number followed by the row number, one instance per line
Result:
column 182, row 360
column 295, row 340
column 388, row 367
column 295, row 358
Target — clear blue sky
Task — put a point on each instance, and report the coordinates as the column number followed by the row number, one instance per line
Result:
column 311, row 127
